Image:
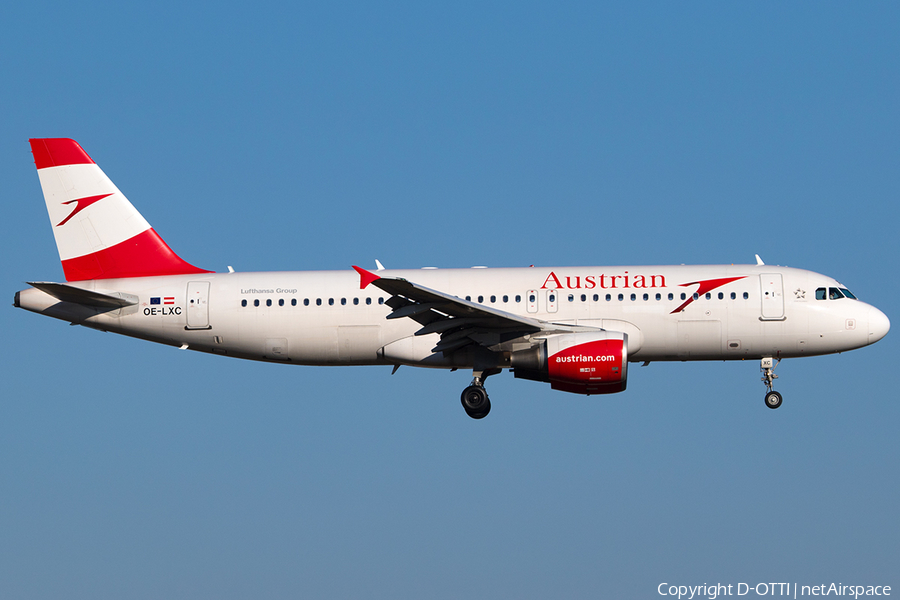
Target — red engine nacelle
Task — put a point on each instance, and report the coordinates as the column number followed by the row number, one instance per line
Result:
column 581, row 363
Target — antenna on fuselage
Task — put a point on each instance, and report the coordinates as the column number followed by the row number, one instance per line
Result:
column 759, row 261
column 379, row 265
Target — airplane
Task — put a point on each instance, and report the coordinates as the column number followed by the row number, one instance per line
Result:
column 576, row 328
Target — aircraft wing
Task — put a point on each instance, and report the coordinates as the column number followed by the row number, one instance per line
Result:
column 459, row 322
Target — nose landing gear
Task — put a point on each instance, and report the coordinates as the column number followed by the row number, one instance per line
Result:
column 474, row 398
column 773, row 399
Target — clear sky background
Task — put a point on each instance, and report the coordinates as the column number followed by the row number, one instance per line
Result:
column 294, row 136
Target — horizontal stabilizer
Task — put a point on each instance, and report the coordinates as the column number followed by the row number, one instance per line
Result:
column 77, row 295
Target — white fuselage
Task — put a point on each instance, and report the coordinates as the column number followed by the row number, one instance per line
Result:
column 324, row 318
column 575, row 328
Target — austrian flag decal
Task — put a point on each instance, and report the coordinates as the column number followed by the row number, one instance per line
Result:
column 164, row 300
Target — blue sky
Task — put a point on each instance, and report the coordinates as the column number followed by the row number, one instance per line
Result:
column 290, row 136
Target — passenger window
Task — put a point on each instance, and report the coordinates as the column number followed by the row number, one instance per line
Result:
column 293, row 302
column 493, row 299
column 746, row 295
column 708, row 296
column 671, row 296
column 596, row 297
column 721, row 296
column 659, row 297
column 468, row 298
column 531, row 298
column 571, row 297
column 633, row 297
column 343, row 301
column 243, row 303
column 621, row 297
column 683, row 296
column 646, row 297
column 269, row 302
column 505, row 299
column 368, row 301
column 318, row 302
column 381, row 301
column 256, row 302
column 552, row 298
column 306, row 302
column 355, row 301
column 609, row 297
column 733, row 296
column 518, row 298
column 480, row 299
column 331, row 302
column 696, row 296
column 281, row 302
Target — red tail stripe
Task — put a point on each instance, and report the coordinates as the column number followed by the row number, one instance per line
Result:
column 144, row 255
column 56, row 152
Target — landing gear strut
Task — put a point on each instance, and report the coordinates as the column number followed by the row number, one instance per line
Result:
column 773, row 398
column 474, row 398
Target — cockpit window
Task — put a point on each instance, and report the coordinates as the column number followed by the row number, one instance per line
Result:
column 834, row 293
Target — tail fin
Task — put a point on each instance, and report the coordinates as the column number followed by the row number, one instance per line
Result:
column 99, row 234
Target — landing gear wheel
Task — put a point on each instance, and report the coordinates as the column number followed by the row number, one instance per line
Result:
column 773, row 399
column 475, row 402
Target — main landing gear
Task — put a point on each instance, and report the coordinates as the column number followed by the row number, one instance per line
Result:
column 773, row 398
column 474, row 398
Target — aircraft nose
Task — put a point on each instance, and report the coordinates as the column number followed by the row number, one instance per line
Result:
column 879, row 325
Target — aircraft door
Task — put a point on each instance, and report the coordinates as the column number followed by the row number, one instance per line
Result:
column 772, row 296
column 197, row 305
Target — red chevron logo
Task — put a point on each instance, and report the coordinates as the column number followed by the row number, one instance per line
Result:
column 80, row 205
column 705, row 286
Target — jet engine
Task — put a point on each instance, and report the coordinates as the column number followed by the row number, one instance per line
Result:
column 581, row 363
